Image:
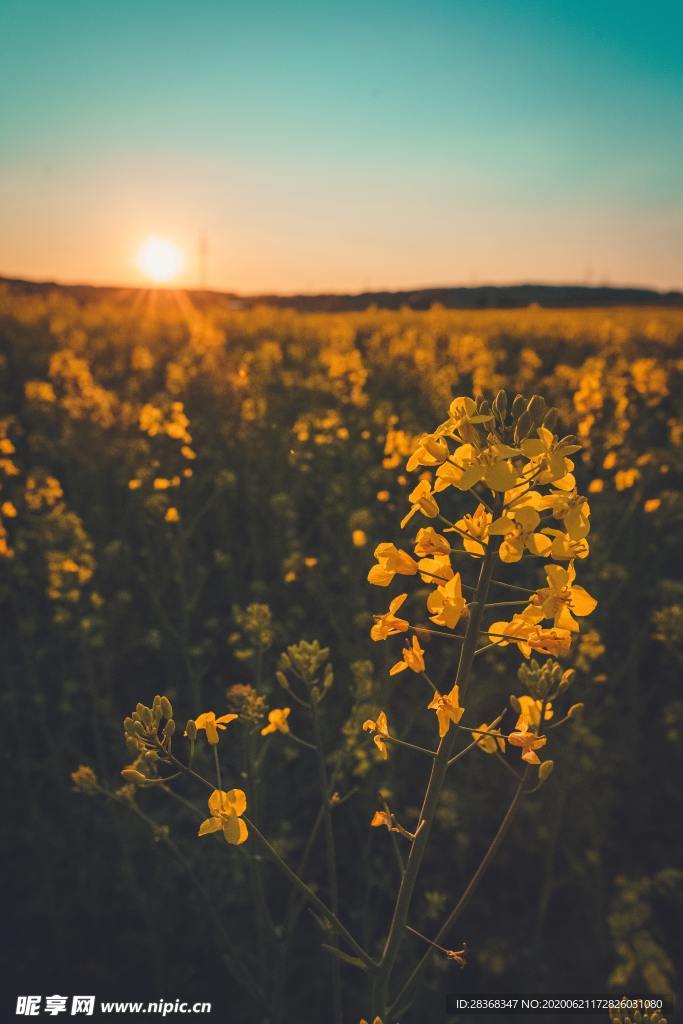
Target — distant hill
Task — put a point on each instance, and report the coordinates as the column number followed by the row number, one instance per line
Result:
column 517, row 296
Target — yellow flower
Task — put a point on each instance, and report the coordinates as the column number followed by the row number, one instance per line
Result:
column 652, row 504
column 530, row 713
column 277, row 721
column 210, row 724
column 563, row 548
column 572, row 508
column 172, row 515
column 518, row 531
column 431, row 451
column 388, row 624
column 377, row 1020
column 446, row 603
column 529, row 636
column 561, row 600
column 429, row 542
column 390, row 561
column 529, row 742
column 413, row 658
column 437, row 569
column 380, row 728
column 476, row 526
column 226, row 808
column 468, row 467
column 421, row 500
column 359, row 538
column 489, row 740
column 447, row 708
column 548, row 455
column 8, row 509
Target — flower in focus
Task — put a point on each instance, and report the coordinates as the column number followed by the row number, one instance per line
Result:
column 476, row 528
column 421, row 500
column 529, row 742
column 210, row 724
column 468, row 467
column 548, row 455
column 518, row 532
column 447, row 708
column 413, row 658
column 390, row 561
column 226, row 808
column 429, row 542
column 446, row 603
column 388, row 624
column 277, row 721
column 529, row 636
column 572, row 509
column 436, row 568
column 563, row 548
column 561, row 600
column 530, row 713
column 431, row 451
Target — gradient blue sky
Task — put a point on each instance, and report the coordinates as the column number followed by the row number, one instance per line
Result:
column 344, row 146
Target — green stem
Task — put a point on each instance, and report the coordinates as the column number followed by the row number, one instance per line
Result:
column 216, row 761
column 330, row 854
column 310, row 896
column 505, row 604
column 513, row 586
column 382, row 977
column 409, row 746
column 407, row 990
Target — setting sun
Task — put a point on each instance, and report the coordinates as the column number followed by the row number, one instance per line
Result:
column 160, row 259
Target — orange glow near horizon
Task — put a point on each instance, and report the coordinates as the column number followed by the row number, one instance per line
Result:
column 160, row 260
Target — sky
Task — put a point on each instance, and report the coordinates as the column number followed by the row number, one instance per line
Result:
column 343, row 146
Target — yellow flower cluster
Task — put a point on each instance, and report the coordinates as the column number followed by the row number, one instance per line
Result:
column 518, row 474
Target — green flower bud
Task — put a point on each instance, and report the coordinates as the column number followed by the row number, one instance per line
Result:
column 551, row 418
column 536, row 409
column 518, row 406
column 500, row 404
column 523, row 427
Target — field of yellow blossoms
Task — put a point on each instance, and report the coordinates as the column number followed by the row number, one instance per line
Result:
column 389, row 601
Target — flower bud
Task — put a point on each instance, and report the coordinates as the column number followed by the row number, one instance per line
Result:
column 545, row 770
column 132, row 775
column 191, row 730
column 283, row 681
column 518, row 406
column 166, row 707
column 169, row 728
column 551, row 418
column 536, row 409
column 575, row 709
column 514, row 704
column 500, row 404
column 523, row 426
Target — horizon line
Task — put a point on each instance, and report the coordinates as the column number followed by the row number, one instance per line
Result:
column 373, row 290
